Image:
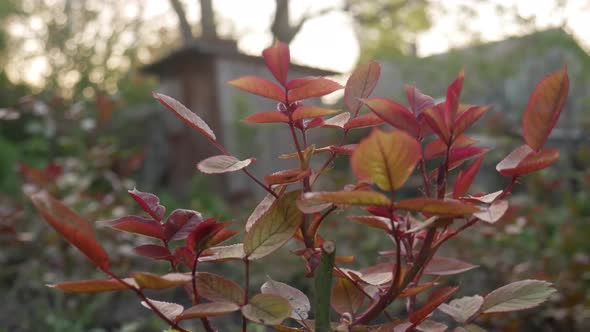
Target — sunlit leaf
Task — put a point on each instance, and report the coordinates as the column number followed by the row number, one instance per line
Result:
column 346, row 297
column 210, row 309
column 149, row 280
column 185, row 115
column 360, row 84
column 267, row 117
column 223, row 164
column 466, row 119
column 298, row 301
column 216, row 288
column 168, row 309
column 276, row 226
column 356, row 197
column 453, row 94
column 518, row 295
column 72, row 227
column 437, row 206
column 259, row 86
column 394, row 114
column 150, row 203
column 387, row 158
column 315, row 87
column 277, row 59
column 364, row 121
column 267, row 309
column 309, row 111
column 92, row 286
column 462, row 309
column 544, row 107
column 338, row 121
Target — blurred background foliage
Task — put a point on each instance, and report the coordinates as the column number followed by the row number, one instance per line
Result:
column 73, row 105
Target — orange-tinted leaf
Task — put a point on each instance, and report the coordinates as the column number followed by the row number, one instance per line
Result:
column 494, row 212
column 410, row 291
column 466, row 119
column 153, row 251
column 465, row 178
column 308, row 111
column 436, row 299
column 216, row 288
column 453, row 94
column 438, row 147
column 277, row 59
column 437, row 206
column 267, row 117
column 338, row 121
column 460, row 155
column 394, row 114
column 92, row 286
column 223, row 253
column 444, row 266
column 259, row 86
column 149, row 280
column 356, row 197
column 72, row 227
column 210, row 309
column 185, row 115
column 524, row 160
column 373, row 221
column 313, row 87
column 223, row 164
column 418, row 101
column 346, row 297
column 287, row 176
column 137, row 225
column 150, row 203
column 360, row 85
column 387, row 158
column 544, row 107
column 364, row 121
column 436, row 121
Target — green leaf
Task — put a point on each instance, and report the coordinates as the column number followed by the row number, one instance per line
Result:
column 216, row 288
column 274, row 228
column 299, row 302
column 356, row 197
column 518, row 295
column 346, row 297
column 462, row 309
column 267, row 309
column 148, row 280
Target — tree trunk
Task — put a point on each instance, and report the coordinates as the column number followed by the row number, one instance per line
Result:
column 281, row 26
column 208, row 28
column 185, row 27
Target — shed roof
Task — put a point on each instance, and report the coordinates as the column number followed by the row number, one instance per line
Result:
column 218, row 48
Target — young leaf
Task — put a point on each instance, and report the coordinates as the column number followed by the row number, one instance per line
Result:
column 337, row 121
column 462, row 309
column 223, row 164
column 395, row 114
column 438, row 148
column 364, row 121
column 149, row 280
column 267, row 309
column 465, row 178
column 137, row 225
column 150, row 203
column 387, row 158
column 153, row 251
column 207, row 234
column 168, row 309
column 260, row 210
column 181, row 223
column 437, row 207
column 518, row 295
column 444, row 266
column 360, row 85
column 287, row 176
column 72, row 227
column 373, row 221
column 453, row 94
column 418, row 101
column 259, row 86
column 355, row 197
column 92, row 286
column 223, row 253
column 308, row 206
column 346, row 297
column 544, row 107
column 467, row 118
column 308, row 111
column 313, row 87
column 431, row 326
column 185, row 115
column 298, row 301
column 524, row 160
column 436, row 299
column 210, row 309
column 278, row 224
column 267, row 117
column 216, row 288
column 493, row 212
column 435, row 118
column 277, row 59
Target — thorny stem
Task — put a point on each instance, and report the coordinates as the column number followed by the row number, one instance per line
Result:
column 315, row 224
column 247, row 288
column 147, row 301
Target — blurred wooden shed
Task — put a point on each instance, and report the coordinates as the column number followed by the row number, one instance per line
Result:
column 196, row 75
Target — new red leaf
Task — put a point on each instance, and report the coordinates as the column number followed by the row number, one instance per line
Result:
column 72, row 227
column 360, row 85
column 544, row 107
column 267, row 117
column 465, row 178
column 437, row 207
column 395, row 114
column 468, row 118
column 92, row 286
column 314, row 87
column 435, row 300
column 138, row 225
column 185, row 115
column 153, row 251
column 150, row 203
column 259, row 86
column 181, row 223
column 277, row 59
column 308, row 111
column 364, row 121
column 436, row 121
column 418, row 101
column 524, row 160
column 453, row 94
